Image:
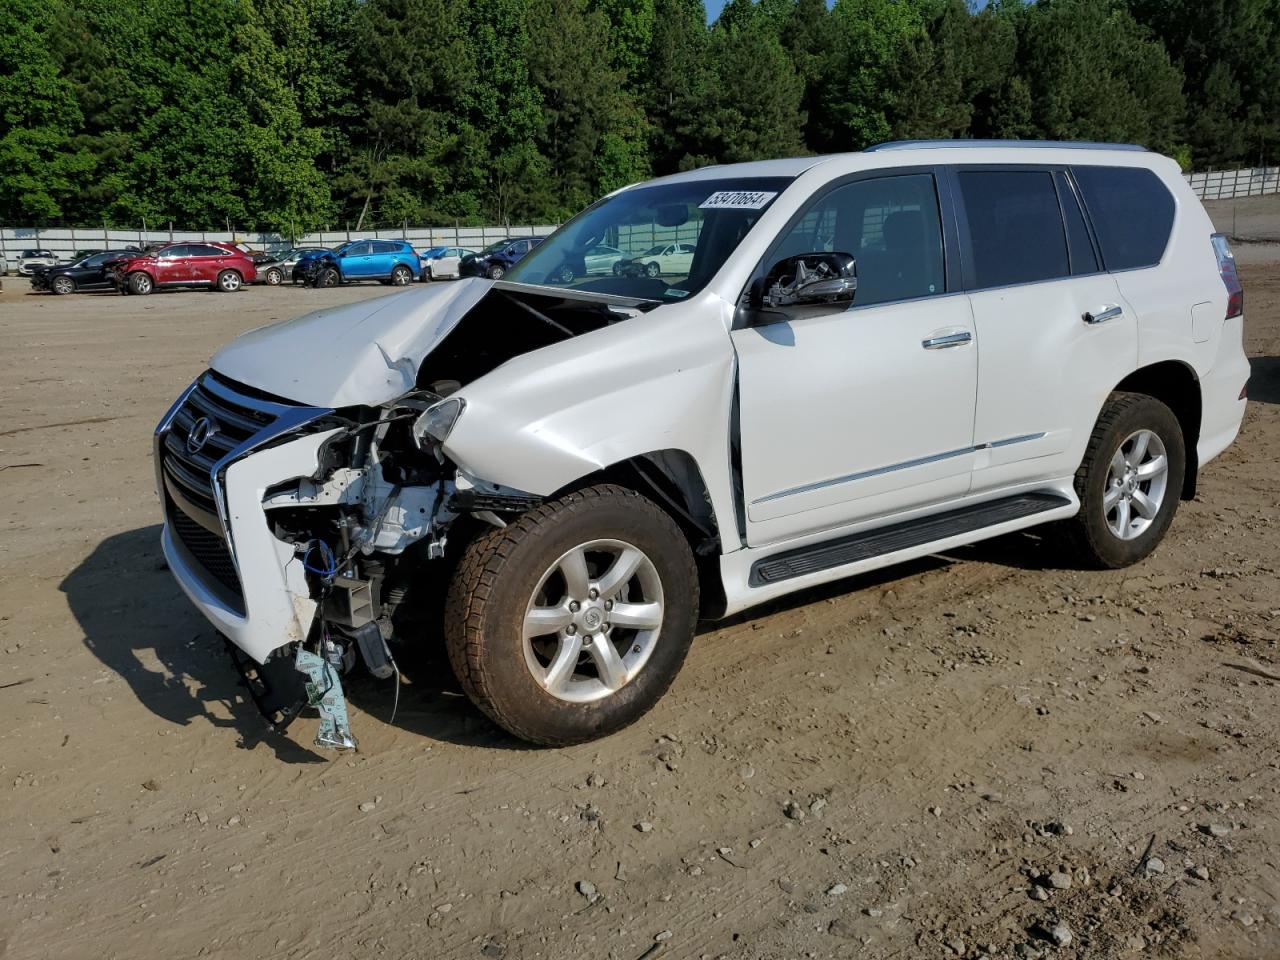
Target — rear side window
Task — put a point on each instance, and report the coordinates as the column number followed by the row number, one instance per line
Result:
column 1015, row 226
column 1132, row 214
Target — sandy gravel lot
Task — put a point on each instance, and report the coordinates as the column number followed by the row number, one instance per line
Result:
column 962, row 757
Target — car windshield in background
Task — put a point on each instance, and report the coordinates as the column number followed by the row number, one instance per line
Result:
column 660, row 242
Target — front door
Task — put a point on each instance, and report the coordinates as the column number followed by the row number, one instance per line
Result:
column 173, row 264
column 856, row 414
column 357, row 261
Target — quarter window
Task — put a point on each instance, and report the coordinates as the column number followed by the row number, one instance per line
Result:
column 890, row 225
column 1132, row 214
column 1015, row 226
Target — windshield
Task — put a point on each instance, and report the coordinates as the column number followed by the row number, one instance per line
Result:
column 495, row 247
column 701, row 222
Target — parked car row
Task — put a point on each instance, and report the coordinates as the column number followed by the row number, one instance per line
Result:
column 227, row 267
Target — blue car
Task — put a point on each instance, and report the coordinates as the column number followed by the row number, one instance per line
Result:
column 387, row 261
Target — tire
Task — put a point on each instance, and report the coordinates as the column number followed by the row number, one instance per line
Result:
column 273, row 277
column 652, row 269
column 565, row 274
column 63, row 285
column 505, row 573
column 617, row 269
column 1124, row 515
column 141, row 283
column 228, row 282
column 328, row 277
column 401, row 276
column 426, row 275
column 497, row 271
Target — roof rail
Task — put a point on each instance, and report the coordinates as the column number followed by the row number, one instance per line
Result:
column 1020, row 144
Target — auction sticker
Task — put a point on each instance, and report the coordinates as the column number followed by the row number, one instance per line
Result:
column 736, row 200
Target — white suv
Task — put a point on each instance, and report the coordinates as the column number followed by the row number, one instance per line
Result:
column 868, row 358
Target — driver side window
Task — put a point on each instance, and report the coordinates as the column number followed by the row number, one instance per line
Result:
column 892, row 228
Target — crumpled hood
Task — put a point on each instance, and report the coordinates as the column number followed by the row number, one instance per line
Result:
column 365, row 353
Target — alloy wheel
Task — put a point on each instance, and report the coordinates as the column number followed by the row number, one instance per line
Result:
column 1137, row 483
column 593, row 621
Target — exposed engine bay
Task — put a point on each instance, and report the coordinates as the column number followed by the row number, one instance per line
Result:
column 385, row 501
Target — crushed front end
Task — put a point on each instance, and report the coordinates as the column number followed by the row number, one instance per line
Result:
column 296, row 530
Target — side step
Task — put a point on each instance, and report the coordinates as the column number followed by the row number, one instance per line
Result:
column 899, row 536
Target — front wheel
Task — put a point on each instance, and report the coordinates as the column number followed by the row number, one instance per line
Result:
column 141, row 284
column 652, row 269
column 496, row 272
column 274, row 277
column 1128, row 483
column 63, row 285
column 571, row 622
column 328, row 277
column 228, row 281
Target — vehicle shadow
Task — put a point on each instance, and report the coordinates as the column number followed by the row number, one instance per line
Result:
column 1264, row 379
column 137, row 622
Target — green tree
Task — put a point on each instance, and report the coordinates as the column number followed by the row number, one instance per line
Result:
column 680, row 85
column 755, row 110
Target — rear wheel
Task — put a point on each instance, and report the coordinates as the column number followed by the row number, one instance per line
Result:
column 63, row 285
column 572, row 621
column 141, row 284
column 228, row 281
column 401, row 276
column 1128, row 483
column 274, row 276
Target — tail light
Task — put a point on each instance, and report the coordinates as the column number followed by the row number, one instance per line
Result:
column 1230, row 279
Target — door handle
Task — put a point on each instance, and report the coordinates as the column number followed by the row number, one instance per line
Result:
column 958, row 339
column 1104, row 313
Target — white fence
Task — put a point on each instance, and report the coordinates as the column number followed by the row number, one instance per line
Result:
column 1230, row 184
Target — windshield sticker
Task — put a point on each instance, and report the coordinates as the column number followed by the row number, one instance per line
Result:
column 736, row 200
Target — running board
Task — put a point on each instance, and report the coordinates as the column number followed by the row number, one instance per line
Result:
column 900, row 536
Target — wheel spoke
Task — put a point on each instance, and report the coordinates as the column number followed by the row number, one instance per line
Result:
column 1153, row 468
column 642, row 616
column 1119, row 466
column 620, row 571
column 609, row 666
column 1111, row 498
column 1139, row 451
column 1146, row 507
column 576, row 578
column 540, row 621
column 1122, row 517
column 563, row 663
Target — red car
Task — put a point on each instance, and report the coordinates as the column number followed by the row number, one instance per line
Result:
column 206, row 264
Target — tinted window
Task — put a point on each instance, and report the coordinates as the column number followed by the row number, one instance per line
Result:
column 203, row 250
column 358, row 250
column 385, row 246
column 176, row 250
column 891, row 227
column 1083, row 259
column 1015, row 226
column 1132, row 214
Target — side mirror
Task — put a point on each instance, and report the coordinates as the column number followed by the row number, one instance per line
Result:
column 809, row 278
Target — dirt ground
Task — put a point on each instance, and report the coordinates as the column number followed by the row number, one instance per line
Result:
column 966, row 756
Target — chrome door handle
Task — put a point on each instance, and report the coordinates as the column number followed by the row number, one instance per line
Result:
column 948, row 340
column 1104, row 313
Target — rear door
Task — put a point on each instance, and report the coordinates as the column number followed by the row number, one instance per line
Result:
column 206, row 262
column 1054, row 333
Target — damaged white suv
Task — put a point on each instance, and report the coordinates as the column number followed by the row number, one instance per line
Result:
column 867, row 358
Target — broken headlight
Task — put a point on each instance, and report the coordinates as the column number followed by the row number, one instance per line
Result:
column 437, row 421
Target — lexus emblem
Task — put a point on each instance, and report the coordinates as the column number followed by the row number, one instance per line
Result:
column 201, row 432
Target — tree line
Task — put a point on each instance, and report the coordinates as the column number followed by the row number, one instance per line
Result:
column 291, row 115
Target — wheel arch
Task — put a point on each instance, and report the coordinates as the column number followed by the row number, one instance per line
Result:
column 1176, row 385
column 672, row 479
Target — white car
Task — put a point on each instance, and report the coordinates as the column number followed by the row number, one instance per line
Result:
column 878, row 356
column 29, row 260
column 602, row 258
column 665, row 258
column 441, row 263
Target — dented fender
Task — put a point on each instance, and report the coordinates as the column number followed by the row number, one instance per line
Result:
column 659, row 381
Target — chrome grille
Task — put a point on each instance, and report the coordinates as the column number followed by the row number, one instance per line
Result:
column 233, row 422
